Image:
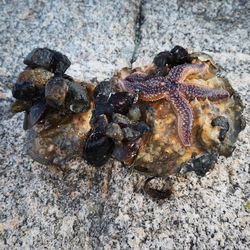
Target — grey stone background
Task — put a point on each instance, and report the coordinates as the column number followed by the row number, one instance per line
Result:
column 85, row 208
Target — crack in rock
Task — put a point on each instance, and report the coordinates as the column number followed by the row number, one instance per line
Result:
column 138, row 34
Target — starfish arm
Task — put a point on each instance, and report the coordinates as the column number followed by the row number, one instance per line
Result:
column 199, row 92
column 136, row 77
column 150, row 90
column 131, row 87
column 184, row 117
column 181, row 72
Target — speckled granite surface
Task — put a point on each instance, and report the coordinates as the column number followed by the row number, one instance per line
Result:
column 85, row 208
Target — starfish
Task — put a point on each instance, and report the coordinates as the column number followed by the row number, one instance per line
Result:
column 173, row 88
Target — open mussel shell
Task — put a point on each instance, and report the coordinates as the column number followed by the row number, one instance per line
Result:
column 34, row 115
column 203, row 57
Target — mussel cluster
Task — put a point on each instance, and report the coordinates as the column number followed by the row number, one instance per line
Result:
column 53, row 104
column 116, row 126
column 66, row 119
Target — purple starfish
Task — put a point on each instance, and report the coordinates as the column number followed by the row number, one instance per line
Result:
column 174, row 88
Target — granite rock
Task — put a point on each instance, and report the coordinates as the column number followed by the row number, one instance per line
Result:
column 105, row 208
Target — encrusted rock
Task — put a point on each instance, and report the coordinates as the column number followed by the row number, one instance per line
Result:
column 139, row 128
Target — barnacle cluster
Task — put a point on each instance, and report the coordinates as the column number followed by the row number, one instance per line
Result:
column 66, row 119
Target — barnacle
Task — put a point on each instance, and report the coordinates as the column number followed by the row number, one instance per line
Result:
column 66, row 119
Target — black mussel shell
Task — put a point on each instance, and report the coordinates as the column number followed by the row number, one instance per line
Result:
column 180, row 55
column 102, row 106
column 200, row 165
column 121, row 102
column 51, row 60
column 77, row 98
column 126, row 151
column 131, row 134
column 68, row 77
column 101, row 123
column 34, row 115
column 223, row 123
column 120, row 119
column 60, row 63
column 63, row 93
column 163, row 58
column 114, row 131
column 20, row 106
column 103, row 88
column 56, row 91
column 25, row 90
column 98, row 148
column 142, row 127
